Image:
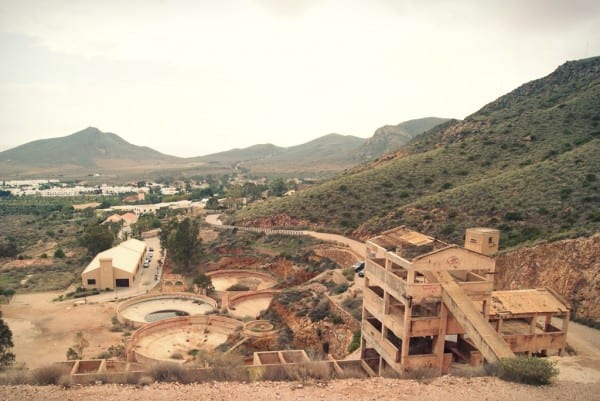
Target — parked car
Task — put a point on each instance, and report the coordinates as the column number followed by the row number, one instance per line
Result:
column 359, row 266
column 146, row 263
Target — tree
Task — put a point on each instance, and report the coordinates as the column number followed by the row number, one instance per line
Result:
column 183, row 244
column 253, row 191
column 146, row 221
column 213, row 203
column 7, row 358
column 80, row 343
column 8, row 249
column 59, row 253
column 204, row 282
column 104, row 205
column 278, row 187
column 96, row 238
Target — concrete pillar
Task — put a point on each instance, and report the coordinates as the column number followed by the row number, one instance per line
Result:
column 440, row 339
column 532, row 324
column 406, row 334
column 410, row 279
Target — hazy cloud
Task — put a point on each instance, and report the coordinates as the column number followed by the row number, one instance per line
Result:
column 235, row 73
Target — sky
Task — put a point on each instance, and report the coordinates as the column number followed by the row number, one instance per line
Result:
column 190, row 78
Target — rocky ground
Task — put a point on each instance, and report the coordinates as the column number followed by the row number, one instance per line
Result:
column 440, row 389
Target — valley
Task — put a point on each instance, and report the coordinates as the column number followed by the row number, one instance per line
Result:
column 263, row 241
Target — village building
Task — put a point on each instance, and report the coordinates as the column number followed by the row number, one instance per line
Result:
column 115, row 267
column 428, row 303
column 128, row 218
column 139, row 196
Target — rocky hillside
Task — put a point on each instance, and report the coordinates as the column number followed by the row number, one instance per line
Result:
column 527, row 164
column 570, row 267
column 391, row 138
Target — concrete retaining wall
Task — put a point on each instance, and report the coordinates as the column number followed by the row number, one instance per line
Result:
column 233, row 300
column 150, row 297
column 216, row 322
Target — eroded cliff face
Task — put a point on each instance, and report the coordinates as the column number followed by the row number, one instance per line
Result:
column 329, row 333
column 570, row 267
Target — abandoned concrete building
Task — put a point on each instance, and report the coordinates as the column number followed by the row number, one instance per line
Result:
column 428, row 303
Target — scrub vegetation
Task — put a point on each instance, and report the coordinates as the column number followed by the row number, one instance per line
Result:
column 526, row 163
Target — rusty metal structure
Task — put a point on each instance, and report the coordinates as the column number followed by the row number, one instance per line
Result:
column 428, row 303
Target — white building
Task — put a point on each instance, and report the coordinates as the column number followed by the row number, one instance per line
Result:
column 115, row 267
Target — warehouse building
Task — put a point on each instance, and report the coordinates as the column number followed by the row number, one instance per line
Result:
column 115, row 267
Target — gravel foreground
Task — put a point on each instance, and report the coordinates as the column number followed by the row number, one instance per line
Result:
column 446, row 388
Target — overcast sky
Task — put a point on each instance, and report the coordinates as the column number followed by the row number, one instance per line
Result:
column 190, row 78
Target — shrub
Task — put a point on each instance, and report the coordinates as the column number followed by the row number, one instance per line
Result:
column 528, row 370
column 355, row 344
column 145, row 381
column 289, row 297
column 65, row 381
column 349, row 273
column 116, row 351
column 338, row 289
column 337, row 319
column 308, row 370
column 49, row 374
column 168, row 372
column 448, row 229
column 319, row 312
column 223, row 367
column 354, row 307
column 424, row 374
column 14, row 376
column 513, row 216
column 72, row 354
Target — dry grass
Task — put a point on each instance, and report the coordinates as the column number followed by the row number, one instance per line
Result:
column 50, row 374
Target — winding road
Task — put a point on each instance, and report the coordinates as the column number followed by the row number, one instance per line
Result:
column 357, row 247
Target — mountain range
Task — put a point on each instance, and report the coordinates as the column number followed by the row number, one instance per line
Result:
column 94, row 151
column 527, row 163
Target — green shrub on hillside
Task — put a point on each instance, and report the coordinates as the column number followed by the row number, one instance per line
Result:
column 527, row 370
column 538, row 149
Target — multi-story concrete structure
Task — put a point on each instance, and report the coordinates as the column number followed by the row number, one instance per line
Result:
column 427, row 303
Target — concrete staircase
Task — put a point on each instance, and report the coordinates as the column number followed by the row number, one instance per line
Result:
column 491, row 345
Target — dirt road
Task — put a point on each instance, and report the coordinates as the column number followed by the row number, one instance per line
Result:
column 584, row 367
column 357, row 247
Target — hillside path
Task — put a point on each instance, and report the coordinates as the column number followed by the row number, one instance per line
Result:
column 357, row 247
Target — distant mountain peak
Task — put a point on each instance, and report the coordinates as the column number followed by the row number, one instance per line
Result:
column 390, row 138
column 88, row 148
